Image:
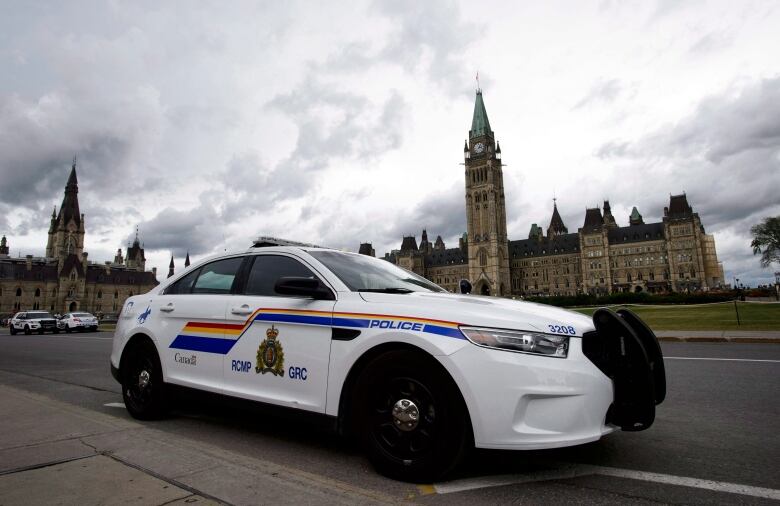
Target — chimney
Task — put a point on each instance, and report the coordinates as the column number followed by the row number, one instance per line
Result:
column 154, row 271
column 29, row 262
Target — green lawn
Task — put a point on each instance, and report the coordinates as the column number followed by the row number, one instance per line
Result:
column 753, row 316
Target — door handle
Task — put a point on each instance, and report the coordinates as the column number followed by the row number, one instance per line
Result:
column 167, row 308
column 243, row 310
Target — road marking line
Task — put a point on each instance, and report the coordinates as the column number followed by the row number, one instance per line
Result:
column 717, row 486
column 114, row 404
column 574, row 471
column 723, row 359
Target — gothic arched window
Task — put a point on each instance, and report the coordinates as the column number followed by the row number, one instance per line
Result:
column 37, row 292
column 482, row 258
column 18, row 292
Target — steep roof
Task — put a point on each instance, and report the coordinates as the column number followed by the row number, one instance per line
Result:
column 556, row 245
column 636, row 233
column 635, row 218
column 679, row 207
column 365, row 249
column 479, row 123
column 70, row 202
column 450, row 256
column 409, row 244
column 593, row 219
column 556, row 223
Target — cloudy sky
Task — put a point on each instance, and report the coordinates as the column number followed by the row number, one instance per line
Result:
column 207, row 124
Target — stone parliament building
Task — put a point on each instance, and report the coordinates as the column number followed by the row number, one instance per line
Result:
column 602, row 257
column 65, row 280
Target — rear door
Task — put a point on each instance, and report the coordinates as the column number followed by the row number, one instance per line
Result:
column 190, row 323
column 282, row 343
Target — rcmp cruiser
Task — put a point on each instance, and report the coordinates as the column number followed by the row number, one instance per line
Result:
column 418, row 375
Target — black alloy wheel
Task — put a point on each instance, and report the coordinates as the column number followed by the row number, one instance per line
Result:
column 67, row 328
column 143, row 389
column 12, row 329
column 27, row 330
column 410, row 417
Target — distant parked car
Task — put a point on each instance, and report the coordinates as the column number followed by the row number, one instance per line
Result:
column 33, row 321
column 70, row 322
column 4, row 319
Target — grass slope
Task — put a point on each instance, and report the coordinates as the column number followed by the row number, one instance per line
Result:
column 753, row 316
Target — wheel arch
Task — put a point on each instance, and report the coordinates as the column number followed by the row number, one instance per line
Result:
column 345, row 397
column 135, row 341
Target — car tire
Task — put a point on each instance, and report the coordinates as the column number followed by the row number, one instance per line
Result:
column 421, row 450
column 143, row 389
column 27, row 330
column 13, row 330
column 56, row 331
column 68, row 329
column 40, row 331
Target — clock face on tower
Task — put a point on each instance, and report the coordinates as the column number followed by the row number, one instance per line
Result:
column 479, row 148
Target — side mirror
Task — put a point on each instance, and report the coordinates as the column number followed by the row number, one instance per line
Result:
column 303, row 287
column 465, row 286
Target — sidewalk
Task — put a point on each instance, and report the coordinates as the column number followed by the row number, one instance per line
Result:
column 720, row 336
column 57, row 453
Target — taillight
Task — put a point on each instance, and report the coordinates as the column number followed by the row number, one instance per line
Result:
column 77, row 320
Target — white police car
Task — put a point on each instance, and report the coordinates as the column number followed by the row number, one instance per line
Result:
column 417, row 374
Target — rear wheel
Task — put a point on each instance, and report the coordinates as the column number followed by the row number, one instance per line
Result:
column 142, row 384
column 67, row 328
column 12, row 329
column 410, row 417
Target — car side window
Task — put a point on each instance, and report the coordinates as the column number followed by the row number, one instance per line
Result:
column 184, row 285
column 267, row 269
column 217, row 277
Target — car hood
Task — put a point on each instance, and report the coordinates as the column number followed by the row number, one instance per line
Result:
column 479, row 311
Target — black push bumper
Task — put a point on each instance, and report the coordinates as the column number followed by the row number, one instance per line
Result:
column 627, row 351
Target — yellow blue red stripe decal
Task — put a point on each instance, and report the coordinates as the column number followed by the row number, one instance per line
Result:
column 217, row 337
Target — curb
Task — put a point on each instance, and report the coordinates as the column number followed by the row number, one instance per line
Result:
column 743, row 340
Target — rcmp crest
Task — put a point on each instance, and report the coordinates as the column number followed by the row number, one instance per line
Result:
column 270, row 355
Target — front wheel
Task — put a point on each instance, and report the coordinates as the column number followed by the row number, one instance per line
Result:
column 410, row 417
column 27, row 330
column 143, row 389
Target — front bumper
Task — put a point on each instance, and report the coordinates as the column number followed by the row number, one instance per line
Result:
column 523, row 402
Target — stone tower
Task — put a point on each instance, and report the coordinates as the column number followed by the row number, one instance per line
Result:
column 66, row 230
column 488, row 249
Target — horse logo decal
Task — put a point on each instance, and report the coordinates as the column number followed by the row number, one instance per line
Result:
column 143, row 316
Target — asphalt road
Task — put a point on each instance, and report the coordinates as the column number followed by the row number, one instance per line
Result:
column 718, row 428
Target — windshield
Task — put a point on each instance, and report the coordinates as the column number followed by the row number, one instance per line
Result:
column 39, row 315
column 363, row 273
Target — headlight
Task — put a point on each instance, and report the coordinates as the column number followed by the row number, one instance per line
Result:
column 519, row 340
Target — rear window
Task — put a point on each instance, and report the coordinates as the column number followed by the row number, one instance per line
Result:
column 82, row 315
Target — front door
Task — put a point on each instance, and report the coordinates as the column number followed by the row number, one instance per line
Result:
column 282, row 343
column 190, row 324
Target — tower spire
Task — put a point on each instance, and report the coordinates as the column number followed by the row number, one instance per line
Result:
column 479, row 122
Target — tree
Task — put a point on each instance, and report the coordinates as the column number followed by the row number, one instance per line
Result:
column 766, row 240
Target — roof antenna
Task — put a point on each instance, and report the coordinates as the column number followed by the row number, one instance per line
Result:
column 74, row 161
column 478, row 88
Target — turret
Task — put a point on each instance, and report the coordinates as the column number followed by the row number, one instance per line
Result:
column 170, row 267
column 4, row 247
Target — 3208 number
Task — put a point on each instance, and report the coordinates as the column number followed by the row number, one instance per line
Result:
column 562, row 329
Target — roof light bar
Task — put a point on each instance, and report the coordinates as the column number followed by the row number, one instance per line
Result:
column 266, row 241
